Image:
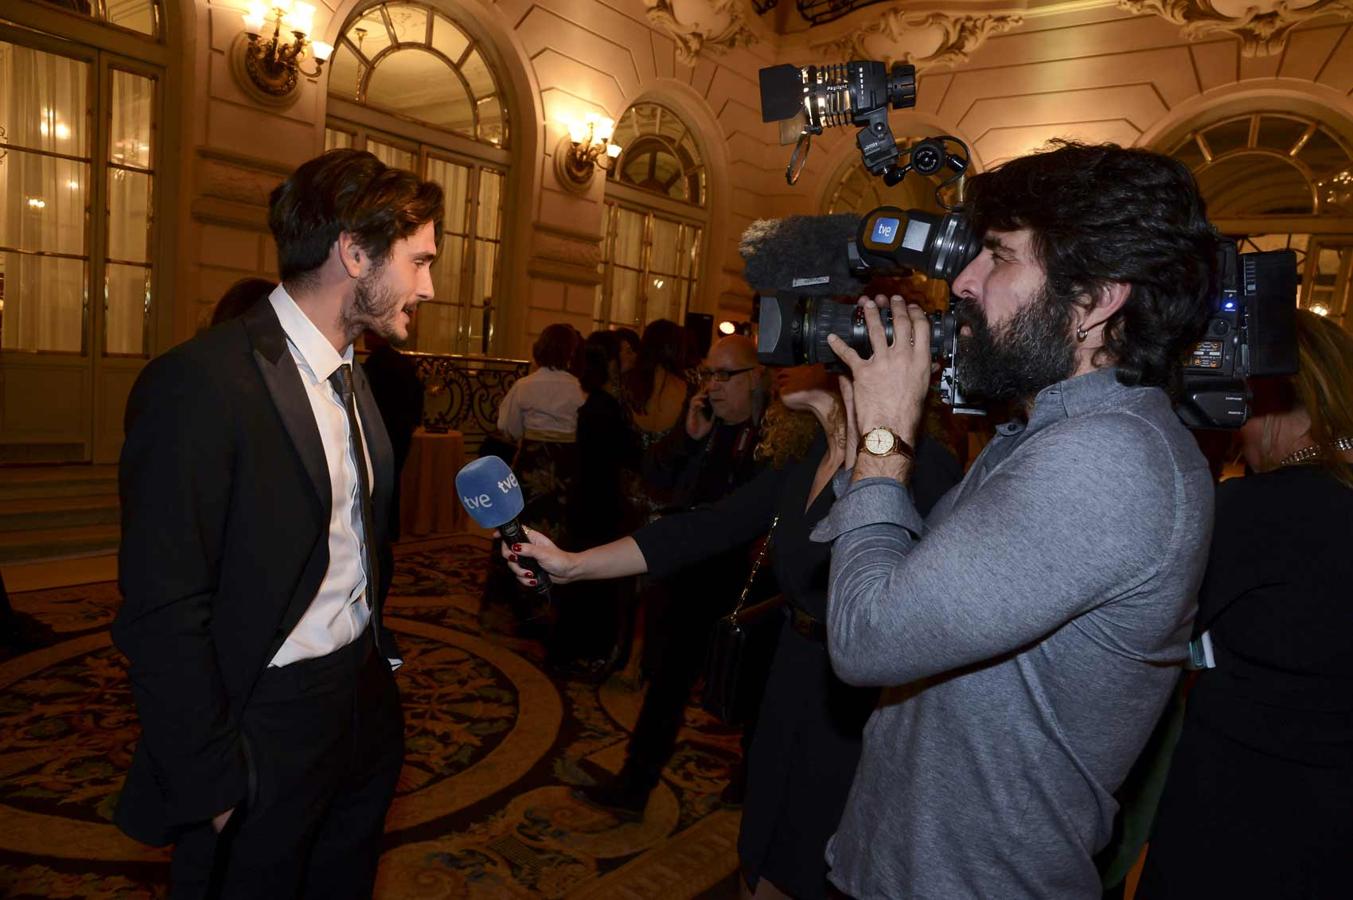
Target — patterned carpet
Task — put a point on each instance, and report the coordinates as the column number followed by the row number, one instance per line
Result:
column 483, row 808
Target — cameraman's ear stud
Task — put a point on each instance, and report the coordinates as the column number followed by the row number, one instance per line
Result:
column 1081, row 333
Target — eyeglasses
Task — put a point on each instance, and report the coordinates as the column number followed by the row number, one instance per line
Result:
column 722, row 374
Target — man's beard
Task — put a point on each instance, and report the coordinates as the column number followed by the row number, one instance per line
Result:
column 1032, row 350
column 374, row 306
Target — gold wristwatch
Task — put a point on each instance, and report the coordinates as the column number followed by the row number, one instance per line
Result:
column 886, row 442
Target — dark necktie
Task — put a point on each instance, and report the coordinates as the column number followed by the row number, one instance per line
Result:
column 341, row 380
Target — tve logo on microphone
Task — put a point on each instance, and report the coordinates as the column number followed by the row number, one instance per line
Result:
column 489, row 491
column 485, row 501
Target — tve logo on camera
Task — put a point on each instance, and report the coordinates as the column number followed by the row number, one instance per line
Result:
column 885, row 230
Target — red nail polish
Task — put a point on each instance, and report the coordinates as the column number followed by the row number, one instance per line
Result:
column 516, row 548
column 512, row 557
column 532, row 582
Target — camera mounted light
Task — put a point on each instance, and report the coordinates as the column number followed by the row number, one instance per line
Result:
column 811, row 98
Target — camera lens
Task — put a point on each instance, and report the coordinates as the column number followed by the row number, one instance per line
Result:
column 953, row 249
column 823, row 316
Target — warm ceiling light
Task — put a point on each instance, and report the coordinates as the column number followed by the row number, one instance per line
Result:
column 602, row 127
column 587, row 147
column 267, row 61
column 254, row 17
column 1320, row 309
column 37, row 203
column 301, row 19
column 727, row 327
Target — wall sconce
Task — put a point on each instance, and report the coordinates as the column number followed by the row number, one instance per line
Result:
column 585, row 148
column 268, row 66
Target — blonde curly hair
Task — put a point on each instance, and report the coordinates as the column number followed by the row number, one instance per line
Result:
column 786, row 434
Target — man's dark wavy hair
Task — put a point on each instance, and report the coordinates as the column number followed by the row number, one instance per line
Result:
column 1101, row 214
column 352, row 191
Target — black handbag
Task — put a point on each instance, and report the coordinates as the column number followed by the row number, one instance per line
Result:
column 740, row 651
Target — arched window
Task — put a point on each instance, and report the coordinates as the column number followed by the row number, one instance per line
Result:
column 81, row 256
column 1269, row 177
column 656, row 216
column 413, row 87
column 857, row 191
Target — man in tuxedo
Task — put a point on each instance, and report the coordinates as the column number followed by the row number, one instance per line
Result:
column 256, row 480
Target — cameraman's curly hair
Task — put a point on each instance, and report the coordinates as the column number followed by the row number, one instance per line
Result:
column 1102, row 214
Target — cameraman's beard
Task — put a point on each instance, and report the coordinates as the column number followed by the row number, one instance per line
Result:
column 373, row 306
column 1032, row 350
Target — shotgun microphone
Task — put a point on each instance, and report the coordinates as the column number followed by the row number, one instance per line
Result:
column 492, row 496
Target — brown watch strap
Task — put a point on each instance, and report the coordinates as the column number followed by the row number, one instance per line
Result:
column 900, row 445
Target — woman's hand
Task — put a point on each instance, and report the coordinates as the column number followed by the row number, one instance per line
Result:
column 539, row 549
column 889, row 388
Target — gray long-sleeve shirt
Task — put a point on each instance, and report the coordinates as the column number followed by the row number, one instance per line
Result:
column 1028, row 634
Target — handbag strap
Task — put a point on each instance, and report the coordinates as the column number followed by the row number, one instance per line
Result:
column 756, row 567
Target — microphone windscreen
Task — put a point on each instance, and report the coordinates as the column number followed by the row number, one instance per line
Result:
column 801, row 253
column 489, row 492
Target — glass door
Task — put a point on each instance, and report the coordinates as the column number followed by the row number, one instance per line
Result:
column 76, row 274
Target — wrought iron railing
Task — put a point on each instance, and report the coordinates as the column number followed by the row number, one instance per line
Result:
column 464, row 392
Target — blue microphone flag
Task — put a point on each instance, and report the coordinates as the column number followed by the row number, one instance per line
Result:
column 489, row 492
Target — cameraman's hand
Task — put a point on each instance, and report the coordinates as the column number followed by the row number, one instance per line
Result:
column 698, row 425
column 889, row 388
column 558, row 563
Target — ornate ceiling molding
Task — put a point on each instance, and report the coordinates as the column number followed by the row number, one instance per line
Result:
column 922, row 39
column 711, row 27
column 1261, row 25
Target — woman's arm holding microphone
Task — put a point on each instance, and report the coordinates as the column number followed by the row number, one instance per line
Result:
column 617, row 559
column 669, row 544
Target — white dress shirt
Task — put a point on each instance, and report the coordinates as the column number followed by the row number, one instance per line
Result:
column 338, row 613
column 545, row 400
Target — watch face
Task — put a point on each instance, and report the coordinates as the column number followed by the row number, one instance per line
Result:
column 879, row 441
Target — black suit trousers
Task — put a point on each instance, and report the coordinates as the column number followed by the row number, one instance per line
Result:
column 325, row 741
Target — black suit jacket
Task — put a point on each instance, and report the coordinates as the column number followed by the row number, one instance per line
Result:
column 225, row 513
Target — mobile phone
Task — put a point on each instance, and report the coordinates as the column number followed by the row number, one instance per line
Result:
column 707, row 410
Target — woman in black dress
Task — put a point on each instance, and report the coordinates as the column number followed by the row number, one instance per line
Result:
column 1259, row 799
column 807, row 740
column 587, row 632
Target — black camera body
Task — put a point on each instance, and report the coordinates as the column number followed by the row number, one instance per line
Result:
column 794, row 324
column 1252, row 334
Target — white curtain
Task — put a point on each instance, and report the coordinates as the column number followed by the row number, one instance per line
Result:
column 43, row 200
column 129, row 206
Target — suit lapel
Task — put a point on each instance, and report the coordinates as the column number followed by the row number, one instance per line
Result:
column 284, row 383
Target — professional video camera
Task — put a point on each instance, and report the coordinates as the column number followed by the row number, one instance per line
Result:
column 842, row 252
column 810, row 269
column 1252, row 334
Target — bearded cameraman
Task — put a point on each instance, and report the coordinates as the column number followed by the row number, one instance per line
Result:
column 1026, row 632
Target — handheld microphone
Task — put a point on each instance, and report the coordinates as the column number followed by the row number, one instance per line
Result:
column 808, row 254
column 492, row 496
